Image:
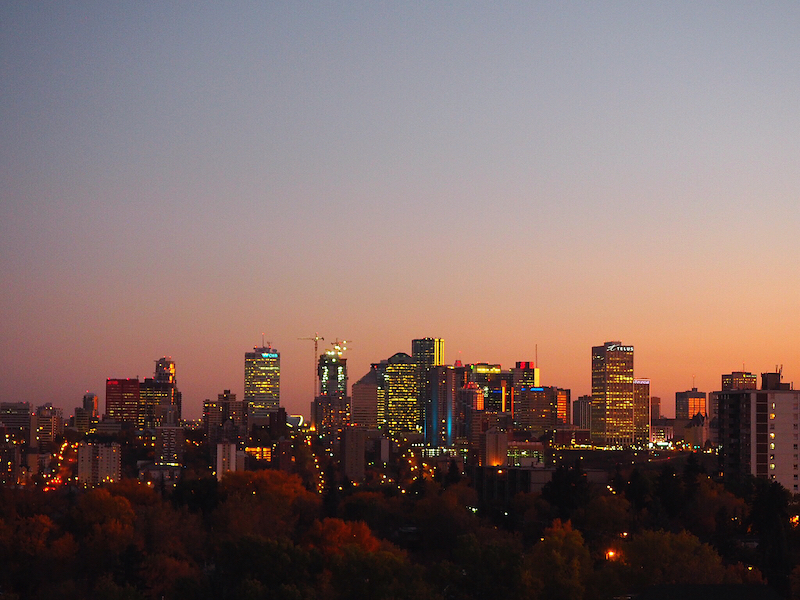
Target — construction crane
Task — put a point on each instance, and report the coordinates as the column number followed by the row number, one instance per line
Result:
column 338, row 347
column 316, row 339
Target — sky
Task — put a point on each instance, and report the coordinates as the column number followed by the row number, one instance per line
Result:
column 521, row 179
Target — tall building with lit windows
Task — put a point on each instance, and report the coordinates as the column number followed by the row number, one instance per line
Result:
column 330, row 410
column 612, row 421
column 759, row 432
column 398, row 380
column 427, row 353
column 262, row 380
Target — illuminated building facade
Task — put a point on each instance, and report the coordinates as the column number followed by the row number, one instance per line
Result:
column 122, row 400
column 446, row 417
column 690, row 403
column 496, row 385
column 739, row 380
column 427, row 353
column 540, row 409
column 330, row 411
column 99, row 464
column 612, row 422
column 758, row 432
column 641, row 412
column 262, row 380
column 398, row 379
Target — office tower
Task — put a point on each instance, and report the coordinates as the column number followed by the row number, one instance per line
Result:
column 262, row 379
column 496, row 385
column 122, row 400
column 398, row 380
column 739, row 380
column 758, row 432
column 330, row 410
column 156, row 404
column 90, row 404
column 446, row 418
column 612, row 395
column 170, row 408
column 526, row 373
column 690, row 403
column 641, row 412
column 538, row 408
column 367, row 398
column 582, row 412
column 99, row 464
column 427, row 353
column 655, row 408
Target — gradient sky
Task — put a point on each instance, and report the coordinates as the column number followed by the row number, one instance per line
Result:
column 177, row 178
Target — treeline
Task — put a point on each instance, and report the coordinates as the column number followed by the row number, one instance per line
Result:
column 262, row 534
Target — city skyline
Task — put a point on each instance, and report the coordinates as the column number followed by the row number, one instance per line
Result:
column 175, row 181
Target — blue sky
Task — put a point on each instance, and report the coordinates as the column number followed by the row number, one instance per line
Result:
column 177, row 179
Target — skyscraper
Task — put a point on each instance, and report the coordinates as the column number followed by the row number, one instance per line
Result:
column 330, row 410
column 427, row 353
column 398, row 379
column 612, row 422
column 262, row 379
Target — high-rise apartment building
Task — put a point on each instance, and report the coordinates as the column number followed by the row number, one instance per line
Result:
column 262, row 380
column 690, row 403
column 758, row 432
column 99, row 464
column 612, row 422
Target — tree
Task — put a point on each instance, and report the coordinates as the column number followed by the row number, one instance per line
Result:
column 560, row 565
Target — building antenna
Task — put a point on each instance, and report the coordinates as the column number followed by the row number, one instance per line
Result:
column 693, row 381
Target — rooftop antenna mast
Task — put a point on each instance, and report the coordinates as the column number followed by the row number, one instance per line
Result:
column 316, row 339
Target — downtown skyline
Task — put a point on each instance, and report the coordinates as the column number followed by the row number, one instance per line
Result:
column 177, row 181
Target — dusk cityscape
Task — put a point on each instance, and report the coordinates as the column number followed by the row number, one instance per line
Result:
column 370, row 300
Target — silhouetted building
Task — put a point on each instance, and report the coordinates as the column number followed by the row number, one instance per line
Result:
column 641, row 412
column 582, row 412
column 366, row 401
